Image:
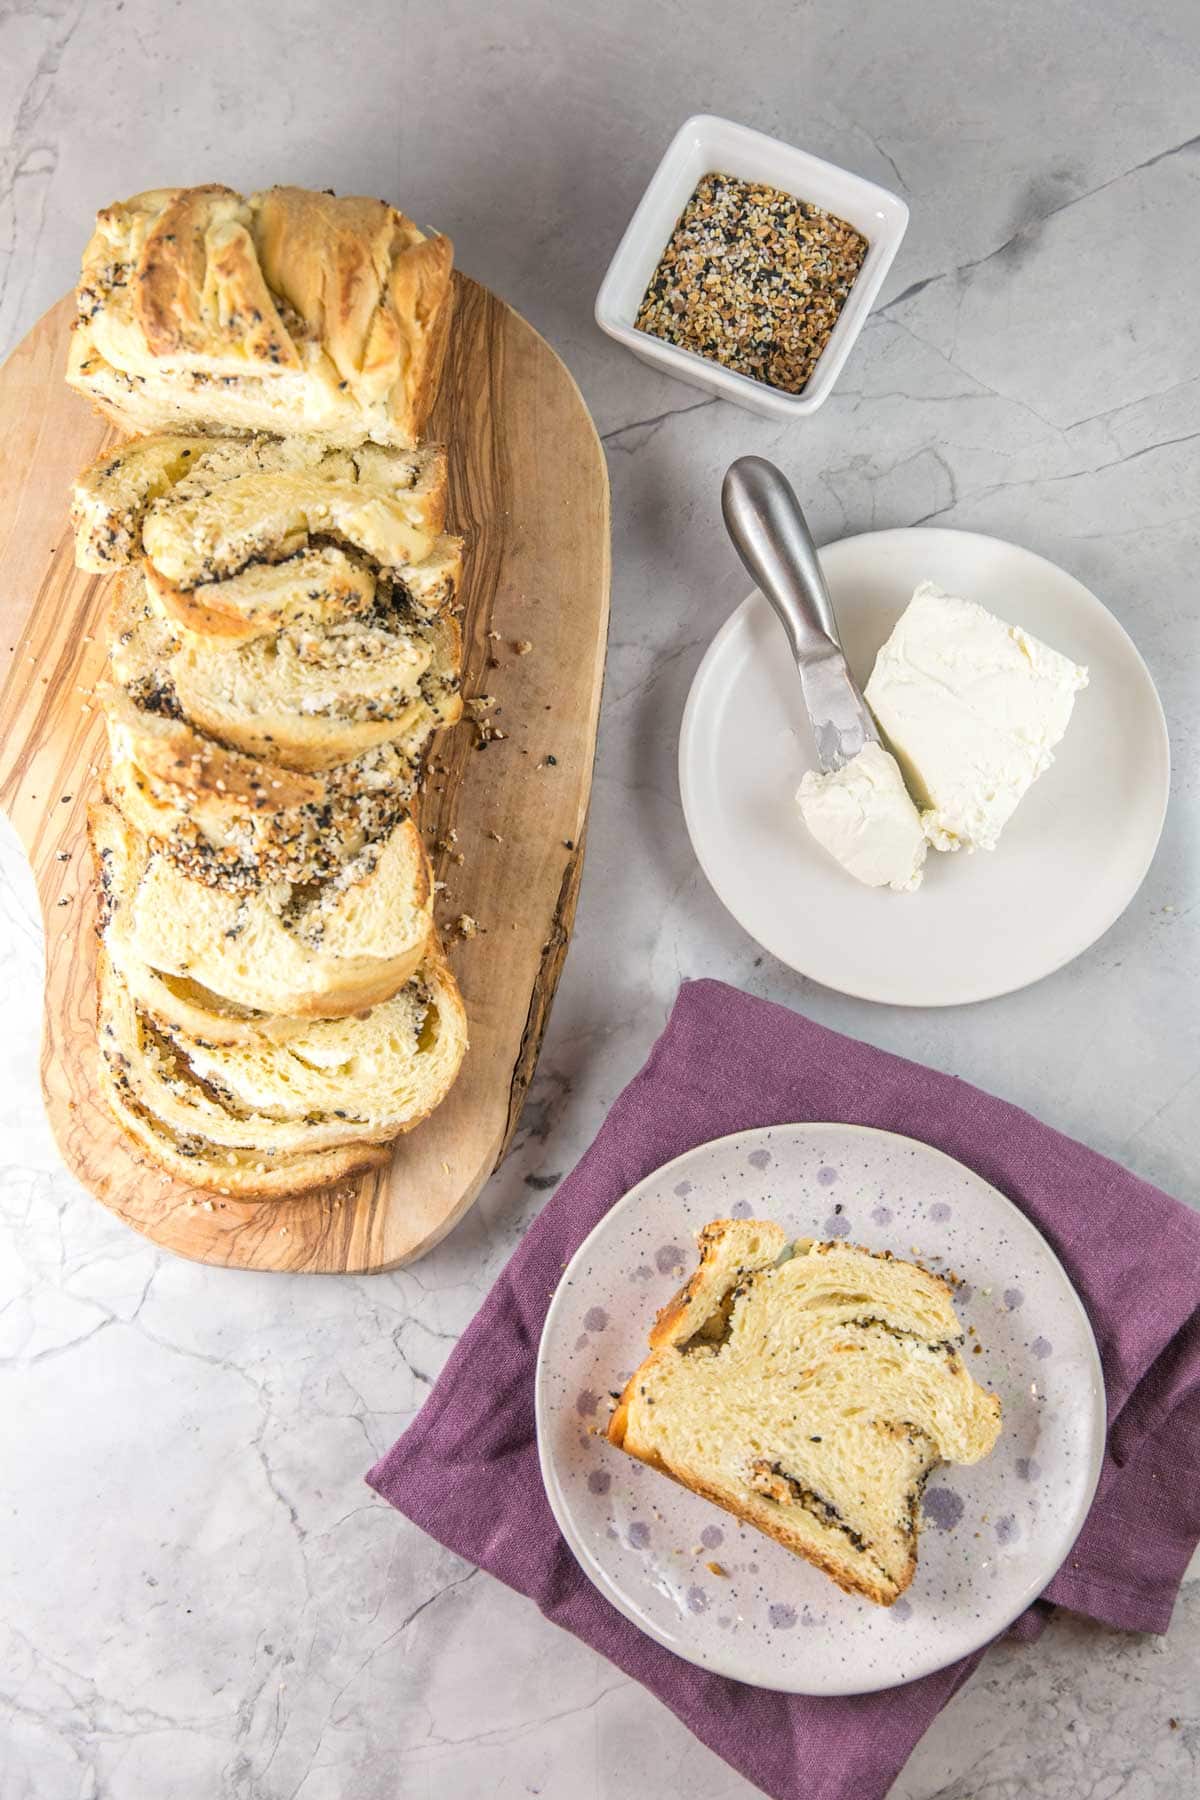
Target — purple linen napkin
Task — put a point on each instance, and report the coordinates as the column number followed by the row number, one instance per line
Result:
column 467, row 1470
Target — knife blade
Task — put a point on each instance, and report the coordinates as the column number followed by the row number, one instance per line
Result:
column 770, row 533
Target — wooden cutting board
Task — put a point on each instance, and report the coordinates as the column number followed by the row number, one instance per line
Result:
column 529, row 491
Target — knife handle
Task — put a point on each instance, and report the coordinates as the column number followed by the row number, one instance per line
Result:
column 771, row 535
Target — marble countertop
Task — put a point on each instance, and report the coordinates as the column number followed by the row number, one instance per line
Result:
column 201, row 1596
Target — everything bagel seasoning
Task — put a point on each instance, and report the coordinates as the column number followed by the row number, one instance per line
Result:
column 754, row 279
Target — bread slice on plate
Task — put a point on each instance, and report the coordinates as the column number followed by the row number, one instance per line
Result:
column 287, row 311
column 340, row 1082
column 227, row 965
column 308, row 697
column 810, row 1391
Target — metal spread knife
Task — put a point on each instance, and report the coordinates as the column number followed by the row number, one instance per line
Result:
column 771, row 535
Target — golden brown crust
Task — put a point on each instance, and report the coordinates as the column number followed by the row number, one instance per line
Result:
column 345, row 296
column 324, row 256
column 172, row 752
column 678, row 1312
column 198, row 251
column 254, row 1179
column 883, row 1593
column 668, row 1318
column 199, row 609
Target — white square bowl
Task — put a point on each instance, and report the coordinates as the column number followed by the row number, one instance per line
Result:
column 706, row 144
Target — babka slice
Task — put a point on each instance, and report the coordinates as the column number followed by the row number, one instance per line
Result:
column 810, row 1392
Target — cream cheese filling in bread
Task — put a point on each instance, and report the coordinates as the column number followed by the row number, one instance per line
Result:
column 364, row 1079
column 287, row 311
column 811, row 1396
column 230, row 965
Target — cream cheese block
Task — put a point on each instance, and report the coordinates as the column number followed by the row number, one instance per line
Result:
column 972, row 708
column 863, row 816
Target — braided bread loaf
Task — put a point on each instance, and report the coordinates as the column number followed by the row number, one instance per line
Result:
column 274, row 1004
column 289, row 311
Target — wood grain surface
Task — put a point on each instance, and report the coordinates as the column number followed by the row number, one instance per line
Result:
column 529, row 491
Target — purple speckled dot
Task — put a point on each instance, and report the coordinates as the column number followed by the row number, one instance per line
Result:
column 962, row 1293
column 827, row 1176
column 1006, row 1529
column 759, row 1159
column 939, row 1212
column 753, row 1568
column 712, row 1537
column 836, row 1225
column 643, row 1272
column 683, row 1189
column 599, row 1481
column 724, row 1621
column 1028, row 1468
column 1042, row 1348
column 697, row 1600
column 595, row 1318
column 582, row 1341
column 882, row 1215
column 669, row 1259
column 782, row 1617
column 639, row 1535
column 902, row 1609
column 808, row 1618
column 743, row 1210
column 610, row 1532
column 1013, row 1297
column 585, row 1403
column 943, row 1508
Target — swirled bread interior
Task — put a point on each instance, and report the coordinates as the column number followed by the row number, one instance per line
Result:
column 202, row 508
column 810, row 1394
column 227, row 965
column 308, row 697
column 358, row 1080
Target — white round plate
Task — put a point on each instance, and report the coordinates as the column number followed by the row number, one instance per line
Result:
column 995, row 1533
column 1070, row 860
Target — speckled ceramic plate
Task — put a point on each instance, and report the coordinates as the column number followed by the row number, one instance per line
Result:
column 1071, row 858
column 719, row 1593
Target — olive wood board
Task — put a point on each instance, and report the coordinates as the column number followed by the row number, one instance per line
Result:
column 529, row 492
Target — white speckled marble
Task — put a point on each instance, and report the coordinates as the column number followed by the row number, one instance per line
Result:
column 201, row 1597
